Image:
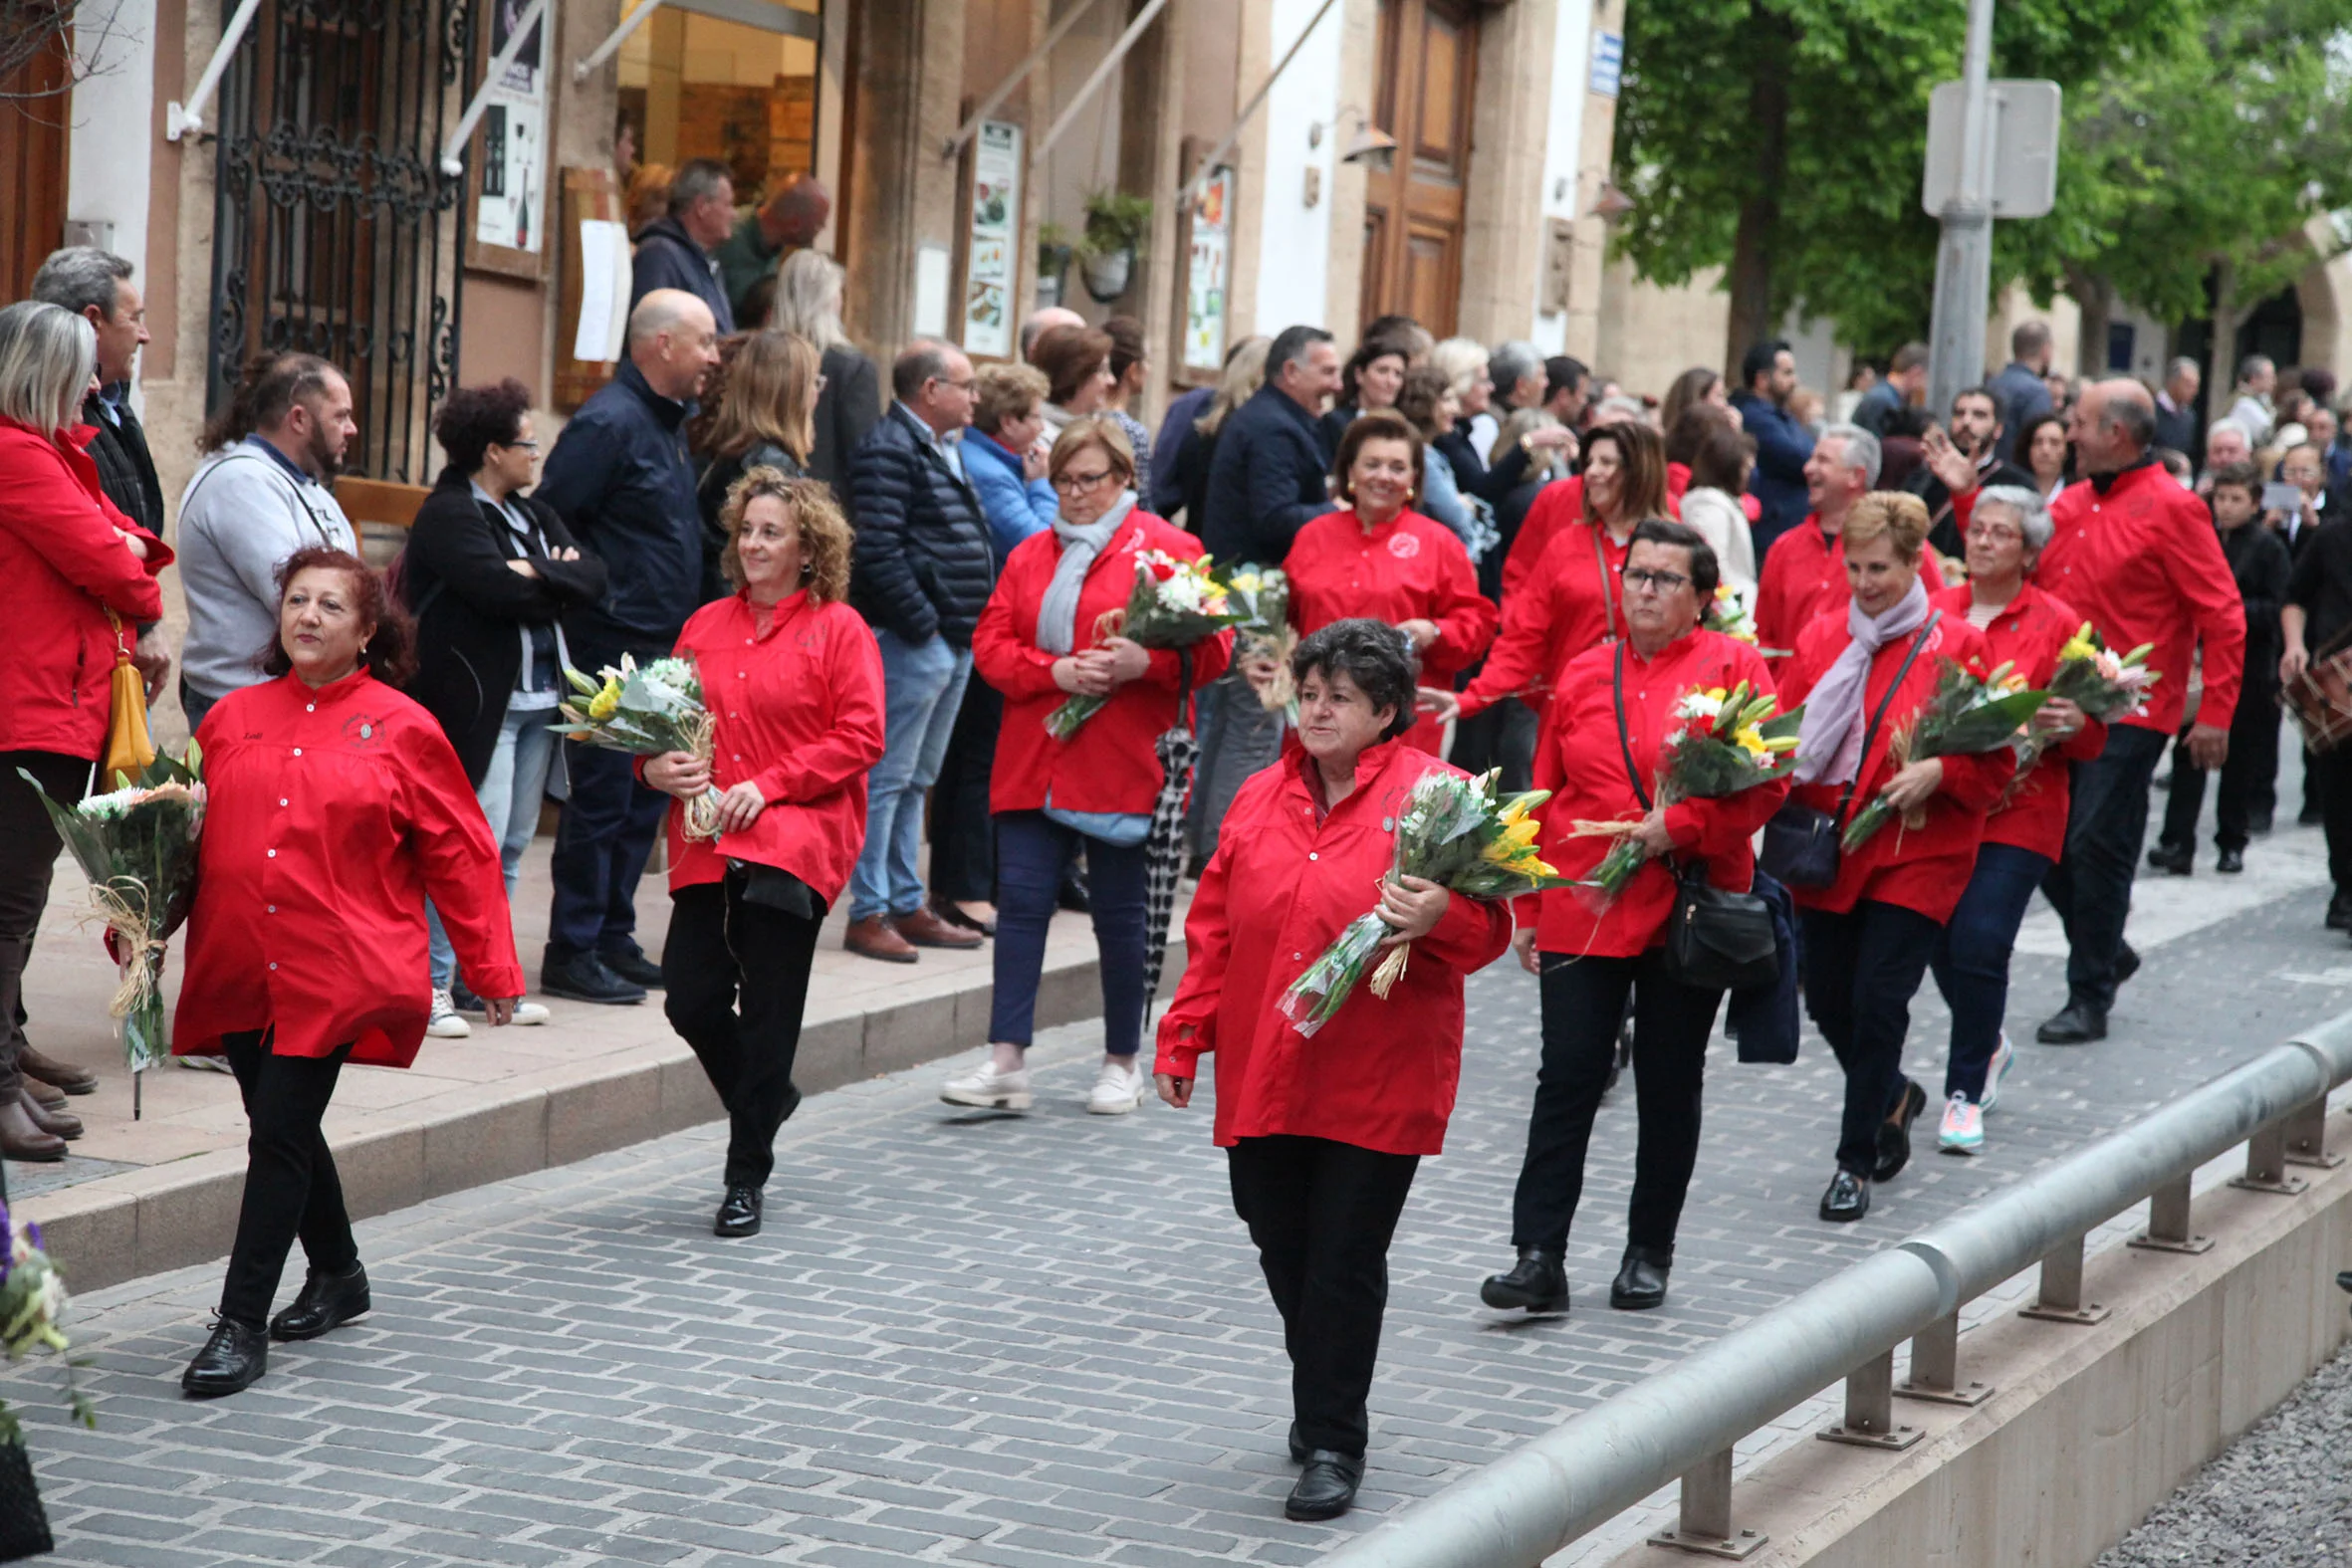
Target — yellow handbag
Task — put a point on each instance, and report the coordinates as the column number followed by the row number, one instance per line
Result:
column 129, row 748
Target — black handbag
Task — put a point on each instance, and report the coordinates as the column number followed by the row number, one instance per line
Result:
column 1800, row 847
column 1715, row 939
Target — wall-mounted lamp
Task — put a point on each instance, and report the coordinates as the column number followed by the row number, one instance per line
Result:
column 1370, row 145
column 1611, row 204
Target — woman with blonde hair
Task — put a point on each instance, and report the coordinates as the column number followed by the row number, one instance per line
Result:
column 1524, row 453
column 850, row 401
column 763, row 415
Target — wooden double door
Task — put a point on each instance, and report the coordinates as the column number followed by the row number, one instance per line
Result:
column 1413, row 211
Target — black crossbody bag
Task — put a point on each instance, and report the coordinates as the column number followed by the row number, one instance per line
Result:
column 1714, row 940
column 1800, row 847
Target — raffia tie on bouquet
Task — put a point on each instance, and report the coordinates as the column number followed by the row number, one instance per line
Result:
column 1899, row 753
column 702, row 812
column 125, row 916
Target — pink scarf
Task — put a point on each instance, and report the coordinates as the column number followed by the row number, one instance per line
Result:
column 1829, row 740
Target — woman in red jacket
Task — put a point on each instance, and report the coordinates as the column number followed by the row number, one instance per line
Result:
column 1036, row 643
column 1382, row 559
column 1323, row 1135
column 70, row 562
column 1611, row 723
column 335, row 806
column 2026, row 626
column 1862, row 670
column 793, row 683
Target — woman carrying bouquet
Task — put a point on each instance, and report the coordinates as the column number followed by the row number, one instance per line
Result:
column 1092, row 792
column 1382, row 559
column 1323, row 1135
column 1863, row 672
column 1616, row 711
column 793, row 680
column 335, row 806
column 2025, row 626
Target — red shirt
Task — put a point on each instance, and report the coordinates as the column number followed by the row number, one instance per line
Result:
column 798, row 711
column 1407, row 569
column 1113, row 764
column 1922, row 868
column 1574, row 601
column 1288, row 877
column 1804, row 573
column 330, row 817
column 1561, row 502
column 1583, row 765
column 2143, row 564
column 2029, row 632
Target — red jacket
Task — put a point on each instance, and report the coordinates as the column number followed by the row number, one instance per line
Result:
column 1574, row 601
column 330, row 815
column 1582, row 763
column 2029, row 632
column 1561, row 502
column 1803, row 574
column 1407, row 569
column 1924, row 868
column 1288, row 877
column 2143, row 564
column 797, row 712
column 63, row 568
column 1113, row 764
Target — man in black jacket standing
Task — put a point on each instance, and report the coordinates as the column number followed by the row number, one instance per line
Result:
column 621, row 478
column 1271, row 475
column 679, row 251
column 920, row 573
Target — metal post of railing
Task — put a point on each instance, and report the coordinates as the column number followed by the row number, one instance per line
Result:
column 1935, row 1367
column 1705, row 1523
column 2169, row 1228
column 2265, row 1164
column 1870, row 1408
column 2060, row 1300
column 2307, row 1137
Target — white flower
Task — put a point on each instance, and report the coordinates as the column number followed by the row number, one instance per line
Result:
column 1698, row 705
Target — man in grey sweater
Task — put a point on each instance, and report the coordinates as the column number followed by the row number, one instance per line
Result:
column 264, row 493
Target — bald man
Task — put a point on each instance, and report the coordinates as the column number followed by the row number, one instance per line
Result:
column 620, row 480
column 1042, row 321
column 789, row 220
column 2138, row 556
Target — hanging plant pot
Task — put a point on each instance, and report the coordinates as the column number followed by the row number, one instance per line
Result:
column 1108, row 274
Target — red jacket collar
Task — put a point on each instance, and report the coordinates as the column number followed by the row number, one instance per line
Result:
column 1371, row 765
column 333, row 691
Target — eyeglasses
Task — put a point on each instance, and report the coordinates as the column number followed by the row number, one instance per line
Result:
column 519, row 446
column 1661, row 582
column 965, row 385
column 1079, row 484
column 1997, row 533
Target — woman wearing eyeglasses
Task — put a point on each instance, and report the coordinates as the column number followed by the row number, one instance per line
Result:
column 1093, row 794
column 2025, row 626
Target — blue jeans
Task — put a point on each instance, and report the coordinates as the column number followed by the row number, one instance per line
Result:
column 922, row 691
column 1033, row 850
column 1971, row 962
column 2091, row 885
column 509, row 792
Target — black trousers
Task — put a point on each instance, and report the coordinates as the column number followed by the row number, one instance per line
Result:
column 2091, row 885
column 28, row 857
column 963, row 832
column 2249, row 778
column 736, row 982
column 2333, row 781
column 1584, row 999
column 1861, row 970
column 1322, row 1213
column 291, row 1186
column 1504, row 736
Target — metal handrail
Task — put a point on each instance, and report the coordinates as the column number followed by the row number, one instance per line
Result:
column 1681, row 1423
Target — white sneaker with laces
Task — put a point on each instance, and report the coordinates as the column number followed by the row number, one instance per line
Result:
column 1962, row 1131
column 205, row 1064
column 2003, row 1059
column 446, row 1024
column 984, row 1087
column 528, row 1012
column 1117, row 1090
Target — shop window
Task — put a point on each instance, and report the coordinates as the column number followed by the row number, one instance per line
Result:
column 732, row 79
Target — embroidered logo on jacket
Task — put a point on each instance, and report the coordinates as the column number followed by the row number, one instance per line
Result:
column 1404, row 546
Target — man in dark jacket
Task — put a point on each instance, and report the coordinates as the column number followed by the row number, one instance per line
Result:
column 619, row 478
column 676, row 252
column 920, row 573
column 1955, row 467
column 1269, row 478
column 1768, row 376
column 1904, row 384
column 2025, row 394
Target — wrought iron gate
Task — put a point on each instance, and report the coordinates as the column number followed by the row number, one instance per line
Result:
column 336, row 233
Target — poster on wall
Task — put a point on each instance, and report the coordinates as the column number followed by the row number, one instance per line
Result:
column 1205, row 283
column 992, row 258
column 510, row 162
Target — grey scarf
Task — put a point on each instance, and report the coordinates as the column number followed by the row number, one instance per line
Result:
column 1057, row 613
column 1829, row 738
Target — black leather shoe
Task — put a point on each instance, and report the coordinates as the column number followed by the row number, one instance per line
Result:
column 1641, row 1280
column 1894, row 1137
column 2174, row 858
column 235, row 1355
column 1539, row 1281
column 1847, row 1199
column 2261, row 825
column 1327, row 1489
column 2127, row 962
column 739, row 1212
column 633, row 966
column 584, row 978
column 2339, row 913
column 2231, row 862
column 325, row 1302
column 2078, row 1025
column 1299, row 1450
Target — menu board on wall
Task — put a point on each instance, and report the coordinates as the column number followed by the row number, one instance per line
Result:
column 510, row 166
column 992, row 258
column 1208, row 262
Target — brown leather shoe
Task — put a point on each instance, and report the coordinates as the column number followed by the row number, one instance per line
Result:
column 21, row 1140
column 57, row 1124
column 874, row 938
column 49, row 1099
column 926, row 930
column 65, row 1076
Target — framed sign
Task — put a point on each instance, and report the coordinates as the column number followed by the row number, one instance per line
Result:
column 508, row 172
column 1208, row 265
column 992, row 254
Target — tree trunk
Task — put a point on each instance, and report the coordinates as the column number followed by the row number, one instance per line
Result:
column 1771, row 40
column 2221, row 371
column 2096, row 296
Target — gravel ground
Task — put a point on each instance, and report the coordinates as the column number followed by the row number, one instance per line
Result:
column 2280, row 1497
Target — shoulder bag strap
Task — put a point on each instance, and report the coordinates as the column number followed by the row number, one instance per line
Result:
column 1870, row 733
column 1600, row 565
column 1624, row 742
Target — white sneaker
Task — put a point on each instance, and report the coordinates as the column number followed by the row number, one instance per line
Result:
column 445, row 1024
column 1962, row 1131
column 2003, row 1059
column 990, row 1090
column 205, row 1064
column 1117, row 1090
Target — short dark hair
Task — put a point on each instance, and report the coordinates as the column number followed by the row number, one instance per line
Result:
column 924, row 360
column 2244, row 475
column 1720, row 456
column 1071, row 356
column 390, row 653
column 1374, row 655
column 1757, row 360
column 1381, row 424
column 1704, row 571
column 272, row 383
column 1983, row 390
column 474, row 419
column 695, row 179
column 1126, row 344
column 1562, row 373
column 1371, row 348
column 2029, row 337
column 1290, row 346
column 1907, row 357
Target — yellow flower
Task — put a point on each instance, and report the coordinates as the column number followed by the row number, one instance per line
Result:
column 1513, row 813
column 1717, row 694
column 1752, row 741
column 604, row 705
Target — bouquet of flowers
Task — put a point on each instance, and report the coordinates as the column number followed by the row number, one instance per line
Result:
column 137, row 848
column 647, row 711
column 1175, row 604
column 32, row 1304
column 1453, row 831
column 2103, row 684
column 1262, row 595
column 1730, row 741
column 1966, row 716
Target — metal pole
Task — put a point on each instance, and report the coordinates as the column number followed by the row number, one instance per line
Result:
column 1029, row 61
column 1208, row 165
column 180, row 120
column 1111, row 62
column 1964, row 256
column 450, row 164
column 620, row 36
